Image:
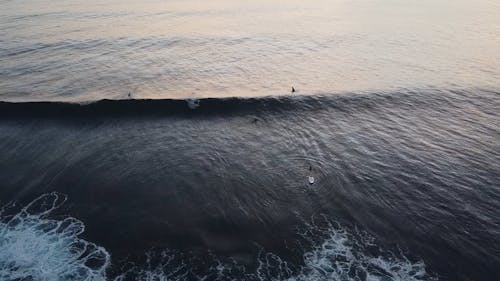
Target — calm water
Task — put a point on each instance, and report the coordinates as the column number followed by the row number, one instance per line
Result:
column 88, row 50
column 397, row 119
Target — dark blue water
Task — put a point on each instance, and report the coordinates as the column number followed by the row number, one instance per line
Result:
column 406, row 188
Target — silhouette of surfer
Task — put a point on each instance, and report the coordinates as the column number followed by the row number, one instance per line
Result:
column 293, row 89
column 310, row 178
column 129, row 95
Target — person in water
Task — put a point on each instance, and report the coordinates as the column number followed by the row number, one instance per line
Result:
column 293, row 89
column 310, row 178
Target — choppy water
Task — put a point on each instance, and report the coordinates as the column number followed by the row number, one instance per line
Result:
column 88, row 50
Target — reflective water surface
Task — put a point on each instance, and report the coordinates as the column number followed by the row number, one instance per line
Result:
column 87, row 50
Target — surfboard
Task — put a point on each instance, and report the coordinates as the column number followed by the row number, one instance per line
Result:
column 311, row 179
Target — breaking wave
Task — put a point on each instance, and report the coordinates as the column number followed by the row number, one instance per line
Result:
column 405, row 99
column 335, row 254
column 345, row 255
column 36, row 245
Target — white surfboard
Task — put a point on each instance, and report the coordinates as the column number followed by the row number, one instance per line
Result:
column 311, row 179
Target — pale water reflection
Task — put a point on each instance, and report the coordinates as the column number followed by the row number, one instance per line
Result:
column 86, row 50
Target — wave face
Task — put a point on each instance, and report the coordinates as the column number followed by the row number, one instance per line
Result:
column 406, row 186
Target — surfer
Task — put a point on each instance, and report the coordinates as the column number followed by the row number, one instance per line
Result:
column 129, row 95
column 310, row 178
column 193, row 103
column 293, row 89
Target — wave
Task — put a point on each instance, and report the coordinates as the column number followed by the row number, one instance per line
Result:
column 34, row 245
column 141, row 106
column 193, row 106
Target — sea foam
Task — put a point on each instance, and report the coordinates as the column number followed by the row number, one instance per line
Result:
column 36, row 247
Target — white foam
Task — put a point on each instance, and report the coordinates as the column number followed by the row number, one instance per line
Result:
column 345, row 256
column 36, row 247
column 193, row 103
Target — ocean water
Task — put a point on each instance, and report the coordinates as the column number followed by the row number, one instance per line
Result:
column 406, row 188
column 76, row 50
column 158, row 140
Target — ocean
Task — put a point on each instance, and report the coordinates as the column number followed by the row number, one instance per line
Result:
column 160, row 140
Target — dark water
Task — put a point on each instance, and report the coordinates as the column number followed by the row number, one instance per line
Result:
column 406, row 188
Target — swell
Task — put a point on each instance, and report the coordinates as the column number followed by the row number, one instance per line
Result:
column 409, row 167
column 220, row 106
